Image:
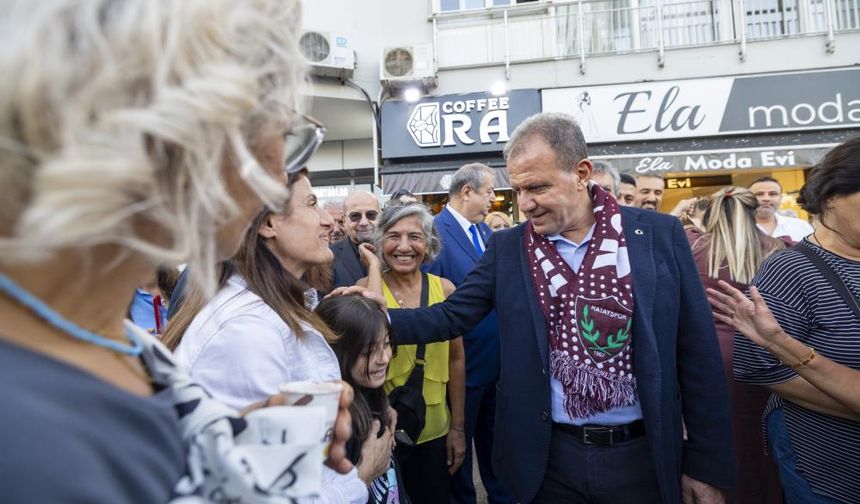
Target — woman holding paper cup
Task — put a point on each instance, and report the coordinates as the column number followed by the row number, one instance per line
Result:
column 134, row 134
column 260, row 332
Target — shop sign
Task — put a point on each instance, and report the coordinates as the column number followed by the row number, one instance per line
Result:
column 454, row 124
column 703, row 162
column 709, row 107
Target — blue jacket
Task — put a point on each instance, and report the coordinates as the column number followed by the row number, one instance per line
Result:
column 677, row 360
column 457, row 258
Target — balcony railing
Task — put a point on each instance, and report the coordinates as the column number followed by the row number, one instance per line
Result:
column 592, row 27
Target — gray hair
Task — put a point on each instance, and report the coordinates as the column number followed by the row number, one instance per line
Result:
column 560, row 131
column 604, row 167
column 334, row 204
column 116, row 112
column 471, row 175
column 394, row 214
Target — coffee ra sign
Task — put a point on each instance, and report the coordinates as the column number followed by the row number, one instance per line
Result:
column 712, row 107
column 454, row 124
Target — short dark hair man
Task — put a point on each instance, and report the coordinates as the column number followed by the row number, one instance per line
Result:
column 768, row 192
column 626, row 190
column 360, row 211
column 599, row 371
column 649, row 194
column 649, row 191
column 464, row 239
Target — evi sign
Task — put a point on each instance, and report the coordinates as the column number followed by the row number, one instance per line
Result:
column 454, row 124
column 712, row 107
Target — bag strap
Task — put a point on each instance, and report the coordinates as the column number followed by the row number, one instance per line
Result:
column 425, row 301
column 830, row 275
column 416, row 378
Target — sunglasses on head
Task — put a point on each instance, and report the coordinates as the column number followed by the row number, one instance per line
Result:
column 371, row 215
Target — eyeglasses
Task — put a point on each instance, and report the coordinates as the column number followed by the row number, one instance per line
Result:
column 371, row 215
column 301, row 142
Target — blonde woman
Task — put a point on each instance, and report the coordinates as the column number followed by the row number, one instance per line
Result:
column 134, row 134
column 731, row 248
column 498, row 220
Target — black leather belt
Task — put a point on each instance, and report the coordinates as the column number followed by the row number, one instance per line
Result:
column 603, row 435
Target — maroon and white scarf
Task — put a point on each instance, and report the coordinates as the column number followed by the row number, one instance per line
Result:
column 589, row 313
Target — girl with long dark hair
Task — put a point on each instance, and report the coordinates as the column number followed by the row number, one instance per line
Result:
column 364, row 347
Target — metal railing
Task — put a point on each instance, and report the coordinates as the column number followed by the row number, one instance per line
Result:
column 577, row 29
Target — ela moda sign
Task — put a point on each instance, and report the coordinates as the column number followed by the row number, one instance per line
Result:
column 712, row 107
column 454, row 124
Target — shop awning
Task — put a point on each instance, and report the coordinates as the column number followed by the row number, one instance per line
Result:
column 721, row 154
column 435, row 177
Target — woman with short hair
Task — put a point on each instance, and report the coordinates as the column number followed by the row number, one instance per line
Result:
column 498, row 220
column 405, row 239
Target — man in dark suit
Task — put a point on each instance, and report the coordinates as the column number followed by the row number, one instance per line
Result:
column 607, row 342
column 464, row 236
column 360, row 211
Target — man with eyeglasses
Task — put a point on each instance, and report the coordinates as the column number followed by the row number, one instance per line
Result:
column 360, row 211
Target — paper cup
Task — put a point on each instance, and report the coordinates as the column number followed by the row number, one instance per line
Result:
column 325, row 395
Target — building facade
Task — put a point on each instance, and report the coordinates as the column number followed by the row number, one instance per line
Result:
column 706, row 92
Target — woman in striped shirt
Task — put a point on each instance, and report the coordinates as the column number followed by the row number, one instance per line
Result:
column 813, row 427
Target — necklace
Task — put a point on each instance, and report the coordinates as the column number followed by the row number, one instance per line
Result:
column 401, row 300
column 53, row 318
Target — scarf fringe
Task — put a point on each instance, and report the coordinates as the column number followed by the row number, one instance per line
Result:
column 588, row 390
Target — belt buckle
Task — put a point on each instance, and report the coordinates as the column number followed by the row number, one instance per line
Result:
column 585, row 435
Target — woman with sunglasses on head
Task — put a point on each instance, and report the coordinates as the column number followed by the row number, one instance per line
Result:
column 260, row 330
column 130, row 137
column 405, row 239
column 729, row 247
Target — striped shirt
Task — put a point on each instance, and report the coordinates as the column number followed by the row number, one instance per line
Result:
column 827, row 448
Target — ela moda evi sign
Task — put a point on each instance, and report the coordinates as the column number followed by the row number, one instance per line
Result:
column 454, row 124
column 712, row 107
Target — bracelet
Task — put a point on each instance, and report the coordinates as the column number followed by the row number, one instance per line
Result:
column 460, row 430
column 804, row 362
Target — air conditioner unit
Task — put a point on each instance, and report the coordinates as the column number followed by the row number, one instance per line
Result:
column 329, row 54
column 408, row 65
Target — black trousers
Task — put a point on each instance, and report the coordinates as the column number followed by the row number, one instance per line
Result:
column 425, row 471
column 592, row 474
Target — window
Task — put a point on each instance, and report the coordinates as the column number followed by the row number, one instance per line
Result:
column 462, row 5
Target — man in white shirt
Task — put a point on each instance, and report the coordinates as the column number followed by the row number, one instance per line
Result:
column 768, row 192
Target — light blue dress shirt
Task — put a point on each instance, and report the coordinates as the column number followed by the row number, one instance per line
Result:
column 573, row 254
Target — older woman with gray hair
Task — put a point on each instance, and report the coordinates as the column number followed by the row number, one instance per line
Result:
column 405, row 239
column 134, row 134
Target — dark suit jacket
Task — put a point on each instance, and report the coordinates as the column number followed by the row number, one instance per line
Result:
column 457, row 258
column 347, row 268
column 677, row 361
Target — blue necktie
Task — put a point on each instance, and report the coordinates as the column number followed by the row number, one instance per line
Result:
column 475, row 241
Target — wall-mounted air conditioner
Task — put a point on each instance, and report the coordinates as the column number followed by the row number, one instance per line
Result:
column 329, row 54
column 408, row 65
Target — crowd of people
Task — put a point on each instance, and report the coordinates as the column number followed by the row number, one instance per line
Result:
column 599, row 351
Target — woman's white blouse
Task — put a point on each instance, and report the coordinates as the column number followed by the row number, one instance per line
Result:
column 240, row 350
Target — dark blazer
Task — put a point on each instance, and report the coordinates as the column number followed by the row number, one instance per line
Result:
column 346, row 268
column 456, row 259
column 677, row 360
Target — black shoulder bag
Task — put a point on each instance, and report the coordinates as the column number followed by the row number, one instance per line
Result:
column 408, row 399
column 830, row 275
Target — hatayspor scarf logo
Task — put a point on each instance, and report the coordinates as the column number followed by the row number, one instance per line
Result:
column 424, row 125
